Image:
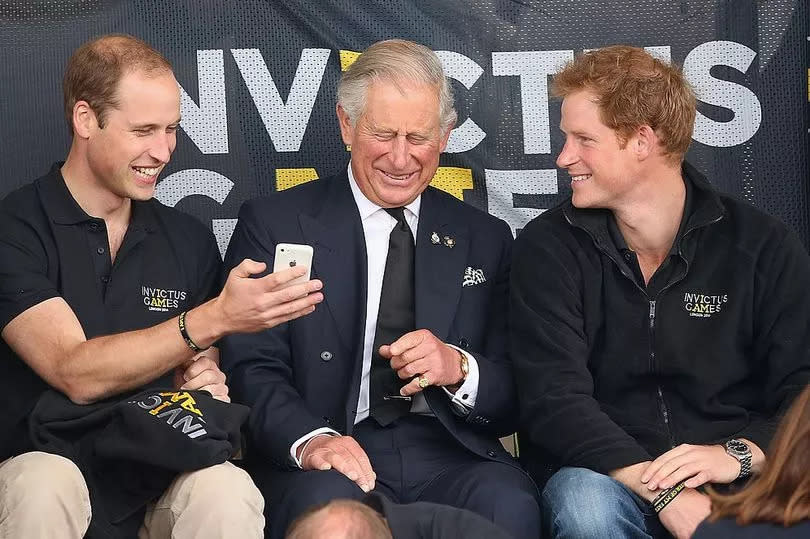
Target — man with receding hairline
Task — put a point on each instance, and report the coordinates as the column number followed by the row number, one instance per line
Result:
column 340, row 519
column 104, row 291
column 659, row 328
column 378, row 518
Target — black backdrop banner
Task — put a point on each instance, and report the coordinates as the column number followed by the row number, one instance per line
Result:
column 258, row 85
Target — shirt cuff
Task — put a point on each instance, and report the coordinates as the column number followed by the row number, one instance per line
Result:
column 307, row 437
column 463, row 401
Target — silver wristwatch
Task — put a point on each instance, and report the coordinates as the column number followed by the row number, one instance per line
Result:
column 740, row 451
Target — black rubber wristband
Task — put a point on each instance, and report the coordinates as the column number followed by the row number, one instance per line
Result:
column 663, row 499
column 181, row 322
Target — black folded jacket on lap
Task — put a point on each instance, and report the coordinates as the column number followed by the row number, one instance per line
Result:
column 130, row 448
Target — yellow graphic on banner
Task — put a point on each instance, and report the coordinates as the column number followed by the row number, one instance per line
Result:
column 347, row 58
column 290, row 177
column 453, row 180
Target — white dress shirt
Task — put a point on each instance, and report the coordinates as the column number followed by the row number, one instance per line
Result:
column 377, row 227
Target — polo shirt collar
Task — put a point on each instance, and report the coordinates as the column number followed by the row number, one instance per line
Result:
column 143, row 216
column 59, row 203
column 64, row 210
column 367, row 208
column 620, row 243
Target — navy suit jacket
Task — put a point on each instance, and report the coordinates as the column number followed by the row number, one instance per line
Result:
column 305, row 374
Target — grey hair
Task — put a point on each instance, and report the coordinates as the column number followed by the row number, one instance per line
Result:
column 398, row 62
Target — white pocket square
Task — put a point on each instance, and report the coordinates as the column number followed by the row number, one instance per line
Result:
column 473, row 277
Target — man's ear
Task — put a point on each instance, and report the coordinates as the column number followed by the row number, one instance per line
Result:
column 645, row 142
column 346, row 128
column 445, row 138
column 84, row 119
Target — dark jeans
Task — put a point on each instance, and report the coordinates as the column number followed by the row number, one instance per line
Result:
column 578, row 503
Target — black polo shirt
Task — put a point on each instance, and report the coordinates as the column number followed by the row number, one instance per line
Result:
column 671, row 265
column 168, row 262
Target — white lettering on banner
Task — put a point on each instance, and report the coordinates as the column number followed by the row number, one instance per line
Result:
column 503, row 185
column 199, row 181
column 284, row 122
column 461, row 68
column 533, row 68
column 207, row 125
column 741, row 101
column 223, row 230
column 663, row 52
column 192, row 181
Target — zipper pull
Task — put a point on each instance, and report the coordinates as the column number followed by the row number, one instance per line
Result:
column 652, row 313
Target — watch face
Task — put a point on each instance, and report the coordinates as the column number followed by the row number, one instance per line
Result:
column 737, row 448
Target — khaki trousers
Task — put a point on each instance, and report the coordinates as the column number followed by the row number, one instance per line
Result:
column 45, row 496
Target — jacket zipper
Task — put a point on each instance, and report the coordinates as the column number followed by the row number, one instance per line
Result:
column 662, row 406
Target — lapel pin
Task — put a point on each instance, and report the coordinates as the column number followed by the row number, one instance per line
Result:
column 450, row 242
column 434, row 239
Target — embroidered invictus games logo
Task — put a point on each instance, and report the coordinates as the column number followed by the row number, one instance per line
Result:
column 161, row 299
column 703, row 305
column 178, row 409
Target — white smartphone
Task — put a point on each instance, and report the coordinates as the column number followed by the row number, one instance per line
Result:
column 290, row 255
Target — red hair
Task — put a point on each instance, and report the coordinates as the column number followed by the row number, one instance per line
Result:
column 632, row 88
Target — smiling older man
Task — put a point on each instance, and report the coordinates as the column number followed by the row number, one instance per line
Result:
column 402, row 384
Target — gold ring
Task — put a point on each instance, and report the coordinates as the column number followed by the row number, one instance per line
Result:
column 422, row 381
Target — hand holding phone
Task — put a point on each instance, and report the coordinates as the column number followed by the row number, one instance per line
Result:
column 290, row 255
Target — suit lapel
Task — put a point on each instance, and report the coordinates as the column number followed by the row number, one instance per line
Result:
column 340, row 258
column 439, row 268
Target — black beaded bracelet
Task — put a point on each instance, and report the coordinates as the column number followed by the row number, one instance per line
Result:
column 666, row 496
column 181, row 322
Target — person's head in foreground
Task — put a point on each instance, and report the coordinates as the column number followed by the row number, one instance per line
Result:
column 340, row 519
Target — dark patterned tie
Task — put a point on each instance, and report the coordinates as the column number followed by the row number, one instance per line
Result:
column 395, row 318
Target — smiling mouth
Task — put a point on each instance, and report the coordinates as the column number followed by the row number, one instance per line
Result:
column 398, row 177
column 146, row 173
column 580, row 178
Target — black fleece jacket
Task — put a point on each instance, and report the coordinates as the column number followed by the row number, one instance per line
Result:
column 610, row 375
